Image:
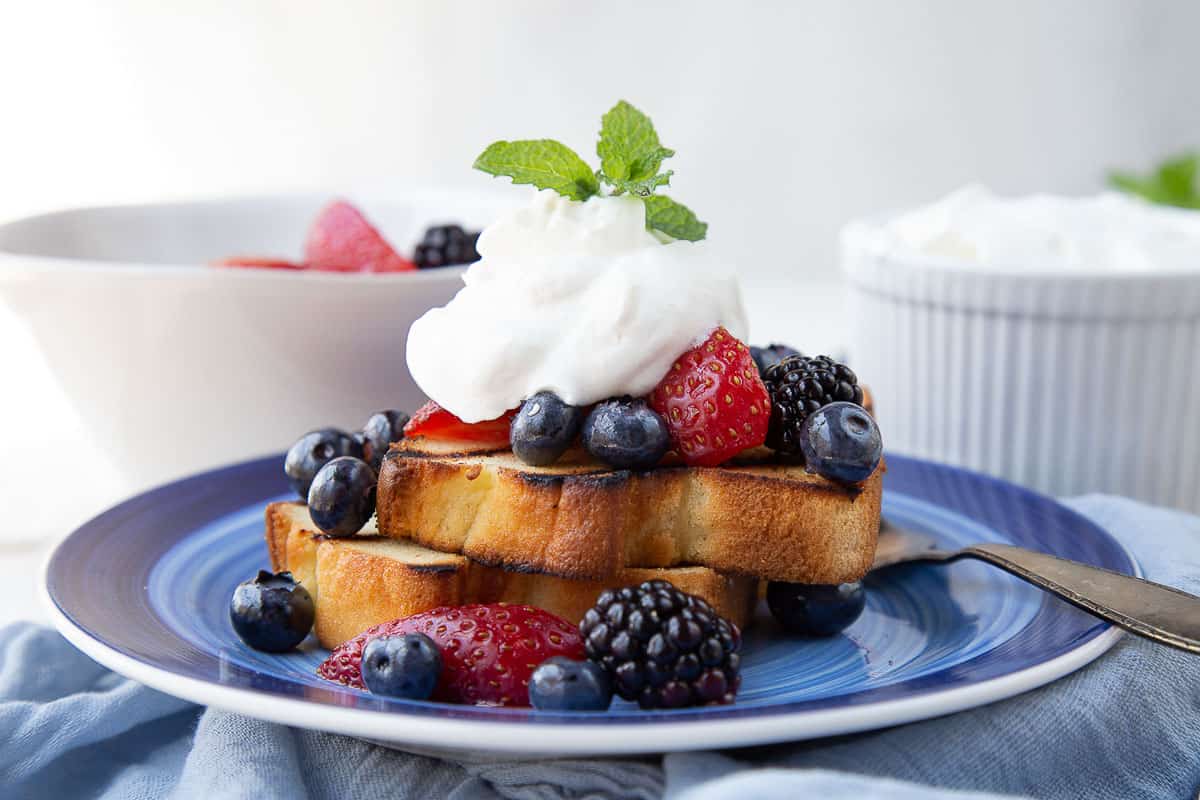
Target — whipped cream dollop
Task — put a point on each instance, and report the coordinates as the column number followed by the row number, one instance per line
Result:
column 574, row 298
column 1106, row 233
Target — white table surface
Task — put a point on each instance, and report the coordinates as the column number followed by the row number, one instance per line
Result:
column 39, row 507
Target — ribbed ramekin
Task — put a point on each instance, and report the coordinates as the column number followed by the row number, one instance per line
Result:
column 1067, row 383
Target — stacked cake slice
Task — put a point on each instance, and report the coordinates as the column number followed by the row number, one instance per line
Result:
column 456, row 526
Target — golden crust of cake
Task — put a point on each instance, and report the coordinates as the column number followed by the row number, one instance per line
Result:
column 364, row 580
column 579, row 519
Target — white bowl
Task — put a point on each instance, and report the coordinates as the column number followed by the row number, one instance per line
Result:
column 176, row 366
column 1068, row 383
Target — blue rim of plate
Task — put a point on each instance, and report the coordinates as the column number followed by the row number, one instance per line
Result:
column 97, row 586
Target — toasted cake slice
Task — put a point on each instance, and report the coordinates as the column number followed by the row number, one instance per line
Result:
column 578, row 519
column 367, row 579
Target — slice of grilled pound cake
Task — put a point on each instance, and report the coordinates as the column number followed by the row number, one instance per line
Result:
column 579, row 519
column 366, row 579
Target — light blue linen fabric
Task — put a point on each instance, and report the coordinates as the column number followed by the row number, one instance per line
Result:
column 1128, row 726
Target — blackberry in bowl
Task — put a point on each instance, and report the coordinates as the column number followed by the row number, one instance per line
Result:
column 445, row 246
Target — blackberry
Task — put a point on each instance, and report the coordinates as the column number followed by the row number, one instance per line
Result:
column 446, row 245
column 798, row 386
column 662, row 647
column 769, row 356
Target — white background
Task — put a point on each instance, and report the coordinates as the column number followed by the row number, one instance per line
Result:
column 789, row 119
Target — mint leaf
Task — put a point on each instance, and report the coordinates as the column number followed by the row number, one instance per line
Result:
column 1173, row 182
column 629, row 149
column 1146, row 188
column 674, row 219
column 649, row 163
column 1176, row 176
column 545, row 163
column 642, row 188
column 1135, row 185
column 1130, row 184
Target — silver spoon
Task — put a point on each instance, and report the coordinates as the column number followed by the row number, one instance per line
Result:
column 1148, row 609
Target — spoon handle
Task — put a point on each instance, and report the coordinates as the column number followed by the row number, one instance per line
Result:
column 1139, row 606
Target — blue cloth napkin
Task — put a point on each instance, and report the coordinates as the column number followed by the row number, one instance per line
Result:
column 1127, row 726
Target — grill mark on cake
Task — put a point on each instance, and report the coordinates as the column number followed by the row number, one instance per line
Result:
column 519, row 567
column 358, row 537
column 421, row 454
column 431, row 569
column 605, row 479
column 825, row 486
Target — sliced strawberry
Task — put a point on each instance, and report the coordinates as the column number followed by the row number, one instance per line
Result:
column 488, row 651
column 437, row 423
column 714, row 401
column 256, row 261
column 342, row 240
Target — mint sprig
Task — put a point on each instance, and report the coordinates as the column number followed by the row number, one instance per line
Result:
column 1172, row 183
column 631, row 158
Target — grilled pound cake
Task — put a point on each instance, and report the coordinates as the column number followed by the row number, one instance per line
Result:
column 581, row 520
column 366, row 579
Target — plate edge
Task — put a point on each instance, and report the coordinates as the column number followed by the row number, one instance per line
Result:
column 578, row 739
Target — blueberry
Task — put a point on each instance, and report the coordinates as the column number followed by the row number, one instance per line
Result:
column 383, row 428
column 841, row 442
column 342, row 496
column 562, row 684
column 314, row 450
column 544, row 428
column 272, row 613
column 626, row 434
column 816, row 609
column 772, row 354
column 405, row 666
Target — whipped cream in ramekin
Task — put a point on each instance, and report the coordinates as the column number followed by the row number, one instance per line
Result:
column 1017, row 337
column 1106, row 233
column 574, row 298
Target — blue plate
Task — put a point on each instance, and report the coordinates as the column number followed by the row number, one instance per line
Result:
column 144, row 589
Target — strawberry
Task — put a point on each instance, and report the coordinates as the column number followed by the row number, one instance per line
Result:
column 342, row 240
column 488, row 651
column 257, row 261
column 714, row 401
column 437, row 423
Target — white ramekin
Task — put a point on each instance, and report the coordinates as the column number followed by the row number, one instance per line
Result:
column 1067, row 383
